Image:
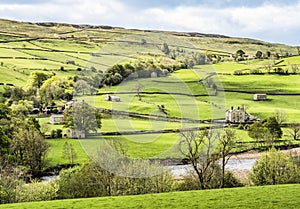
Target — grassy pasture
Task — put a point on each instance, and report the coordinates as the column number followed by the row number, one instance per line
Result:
column 273, row 84
column 176, row 105
column 263, row 109
column 56, row 150
column 279, row 196
column 130, row 124
column 231, row 45
column 12, row 76
column 137, row 146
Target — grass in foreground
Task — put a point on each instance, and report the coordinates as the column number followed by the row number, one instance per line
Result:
column 279, row 196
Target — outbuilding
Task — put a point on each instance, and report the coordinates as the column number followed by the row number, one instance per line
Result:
column 260, row 97
column 56, row 119
column 112, row 98
column 75, row 134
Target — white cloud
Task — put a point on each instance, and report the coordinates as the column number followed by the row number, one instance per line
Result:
column 235, row 21
column 73, row 11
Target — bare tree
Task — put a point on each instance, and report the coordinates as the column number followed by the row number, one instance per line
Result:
column 268, row 68
column 294, row 68
column 280, row 116
column 227, row 141
column 69, row 152
column 119, row 146
column 138, row 87
column 294, row 130
column 198, row 148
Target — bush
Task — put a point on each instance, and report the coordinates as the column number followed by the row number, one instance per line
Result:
column 37, row 191
column 231, row 181
column 274, row 167
column 241, row 127
column 256, row 72
column 191, row 182
column 79, row 182
column 91, row 180
column 238, row 72
column 56, row 133
column 8, row 188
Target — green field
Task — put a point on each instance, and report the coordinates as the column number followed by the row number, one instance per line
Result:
column 55, row 154
column 184, row 93
column 60, row 43
column 280, row 196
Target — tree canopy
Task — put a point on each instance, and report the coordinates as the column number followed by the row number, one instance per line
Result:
column 82, row 117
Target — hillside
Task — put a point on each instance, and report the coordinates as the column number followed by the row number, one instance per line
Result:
column 212, row 81
column 25, row 47
column 281, row 196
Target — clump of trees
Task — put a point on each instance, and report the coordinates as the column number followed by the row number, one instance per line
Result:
column 142, row 69
column 21, row 140
column 92, row 180
column 265, row 132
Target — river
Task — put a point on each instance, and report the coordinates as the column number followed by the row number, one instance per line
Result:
column 233, row 164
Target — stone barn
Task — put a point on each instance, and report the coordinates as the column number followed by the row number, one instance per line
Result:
column 56, row 119
column 75, row 134
column 260, row 97
column 112, row 98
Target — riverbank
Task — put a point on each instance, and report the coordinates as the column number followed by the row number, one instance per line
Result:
column 239, row 164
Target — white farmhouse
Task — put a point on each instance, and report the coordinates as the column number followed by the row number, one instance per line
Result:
column 236, row 115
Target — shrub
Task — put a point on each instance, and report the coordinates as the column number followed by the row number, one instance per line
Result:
column 238, row 72
column 79, row 182
column 274, row 167
column 190, row 181
column 37, row 191
column 231, row 180
column 91, row 180
column 241, row 127
column 56, row 133
column 256, row 72
column 8, row 188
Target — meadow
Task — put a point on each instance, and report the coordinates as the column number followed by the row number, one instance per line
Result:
column 279, row 196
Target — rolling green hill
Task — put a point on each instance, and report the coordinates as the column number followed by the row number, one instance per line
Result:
column 280, row 196
column 66, row 50
column 48, row 46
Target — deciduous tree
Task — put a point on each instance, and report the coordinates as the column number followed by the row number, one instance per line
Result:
column 82, row 117
column 199, row 149
column 69, row 153
column 294, row 130
column 227, row 141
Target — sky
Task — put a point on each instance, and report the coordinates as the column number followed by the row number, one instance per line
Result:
column 275, row 21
